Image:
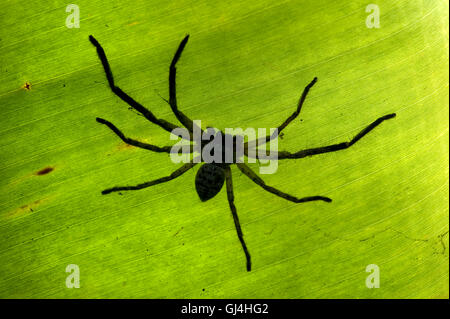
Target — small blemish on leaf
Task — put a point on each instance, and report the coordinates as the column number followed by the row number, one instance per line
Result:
column 45, row 170
column 28, row 208
column 125, row 146
column 27, row 86
column 177, row 232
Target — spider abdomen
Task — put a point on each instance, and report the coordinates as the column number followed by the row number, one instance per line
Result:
column 209, row 181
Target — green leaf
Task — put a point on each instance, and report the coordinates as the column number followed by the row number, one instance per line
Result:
column 244, row 66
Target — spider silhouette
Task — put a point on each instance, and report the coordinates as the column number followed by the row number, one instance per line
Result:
column 210, row 177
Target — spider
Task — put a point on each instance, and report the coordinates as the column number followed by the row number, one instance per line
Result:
column 210, row 177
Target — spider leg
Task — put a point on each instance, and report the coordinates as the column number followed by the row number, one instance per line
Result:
column 290, row 118
column 230, row 196
column 130, row 141
column 329, row 148
column 174, row 175
column 125, row 97
column 258, row 180
column 187, row 122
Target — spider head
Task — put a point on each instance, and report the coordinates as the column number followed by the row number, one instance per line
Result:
column 209, row 181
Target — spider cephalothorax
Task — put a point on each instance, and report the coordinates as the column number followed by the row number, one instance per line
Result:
column 212, row 175
column 219, row 147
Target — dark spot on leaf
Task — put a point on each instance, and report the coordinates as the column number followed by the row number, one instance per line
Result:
column 28, row 208
column 27, row 86
column 45, row 170
column 177, row 232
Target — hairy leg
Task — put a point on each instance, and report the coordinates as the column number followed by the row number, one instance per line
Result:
column 125, row 97
column 329, row 148
column 187, row 122
column 237, row 224
column 258, row 180
column 130, row 141
column 290, row 118
column 183, row 169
